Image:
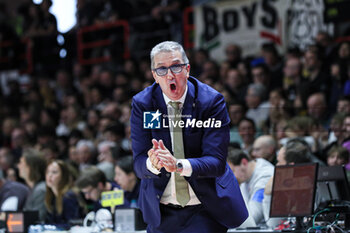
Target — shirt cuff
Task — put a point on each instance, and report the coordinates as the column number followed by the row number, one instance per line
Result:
column 187, row 168
column 151, row 168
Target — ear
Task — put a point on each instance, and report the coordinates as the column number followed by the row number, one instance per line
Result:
column 244, row 161
column 188, row 68
column 100, row 186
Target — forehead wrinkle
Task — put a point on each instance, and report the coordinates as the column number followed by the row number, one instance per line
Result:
column 173, row 61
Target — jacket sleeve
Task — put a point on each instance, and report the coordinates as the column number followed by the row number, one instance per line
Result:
column 37, row 202
column 141, row 140
column 215, row 140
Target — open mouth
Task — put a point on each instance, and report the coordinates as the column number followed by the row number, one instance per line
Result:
column 172, row 86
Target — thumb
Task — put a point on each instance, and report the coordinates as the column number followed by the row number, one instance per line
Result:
column 161, row 145
column 155, row 144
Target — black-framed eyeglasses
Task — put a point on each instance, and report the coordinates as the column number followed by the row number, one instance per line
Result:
column 177, row 68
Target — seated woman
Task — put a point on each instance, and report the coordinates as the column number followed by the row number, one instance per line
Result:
column 61, row 202
column 31, row 168
column 127, row 180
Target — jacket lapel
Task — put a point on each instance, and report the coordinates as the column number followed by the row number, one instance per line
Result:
column 189, row 106
column 159, row 103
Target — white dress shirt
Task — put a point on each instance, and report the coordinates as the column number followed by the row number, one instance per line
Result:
column 169, row 195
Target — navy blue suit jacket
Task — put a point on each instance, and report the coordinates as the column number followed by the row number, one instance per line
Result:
column 206, row 148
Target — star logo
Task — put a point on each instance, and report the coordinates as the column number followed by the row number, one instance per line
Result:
column 151, row 120
column 156, row 115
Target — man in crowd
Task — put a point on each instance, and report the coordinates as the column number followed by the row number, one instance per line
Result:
column 265, row 147
column 92, row 182
column 252, row 175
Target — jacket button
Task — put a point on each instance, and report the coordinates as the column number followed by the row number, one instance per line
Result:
column 158, row 196
column 148, row 177
column 168, row 175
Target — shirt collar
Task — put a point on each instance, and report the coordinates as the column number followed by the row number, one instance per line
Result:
column 181, row 100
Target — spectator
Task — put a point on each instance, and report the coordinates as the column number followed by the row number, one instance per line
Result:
column 13, row 195
column 6, row 160
column 317, row 108
column 112, row 111
column 70, row 120
column 210, row 72
column 258, row 109
column 294, row 152
column 346, row 128
column 50, row 151
column 280, row 110
column 233, row 54
column 247, row 131
column 61, row 202
column 92, row 182
column 126, row 178
column 105, row 84
column 32, row 169
column 252, row 175
column 105, row 158
column 265, row 147
column 86, row 153
column 64, row 85
column 18, row 142
column 324, row 40
column 199, row 58
column 337, row 155
column 336, row 134
column 235, row 85
column 8, row 125
column 115, row 132
column 343, row 105
column 316, row 79
column 261, row 75
column 292, row 77
column 300, row 127
column 274, row 63
column 236, row 112
column 336, row 89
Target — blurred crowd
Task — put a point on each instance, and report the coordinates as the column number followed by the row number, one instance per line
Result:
column 79, row 116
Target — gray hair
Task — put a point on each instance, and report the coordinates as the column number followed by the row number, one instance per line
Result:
column 258, row 89
column 167, row 47
column 81, row 143
column 110, row 144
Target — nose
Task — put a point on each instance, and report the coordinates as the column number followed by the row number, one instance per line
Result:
column 170, row 75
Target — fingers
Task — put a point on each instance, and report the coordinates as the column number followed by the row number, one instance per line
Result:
column 166, row 157
column 150, row 152
column 161, row 144
column 169, row 165
column 155, row 161
column 161, row 151
column 155, row 144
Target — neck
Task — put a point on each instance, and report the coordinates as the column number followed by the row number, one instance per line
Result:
column 251, row 167
column 131, row 185
column 55, row 191
column 30, row 184
column 108, row 186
